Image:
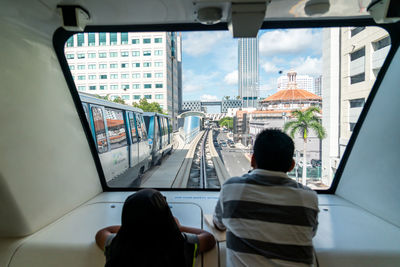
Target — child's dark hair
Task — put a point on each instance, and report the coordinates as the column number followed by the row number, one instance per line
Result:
column 273, row 150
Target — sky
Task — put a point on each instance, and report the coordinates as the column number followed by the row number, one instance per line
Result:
column 210, row 60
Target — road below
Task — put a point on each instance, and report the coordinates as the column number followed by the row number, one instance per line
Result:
column 234, row 158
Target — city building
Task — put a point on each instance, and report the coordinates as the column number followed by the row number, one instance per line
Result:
column 304, row 82
column 275, row 119
column 291, row 98
column 352, row 58
column 191, row 105
column 131, row 66
column 241, row 125
column 318, row 85
column 230, row 103
column 179, row 69
column 199, row 105
column 276, row 111
column 248, row 71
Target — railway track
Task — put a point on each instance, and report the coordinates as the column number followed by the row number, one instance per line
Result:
column 202, row 167
column 202, row 172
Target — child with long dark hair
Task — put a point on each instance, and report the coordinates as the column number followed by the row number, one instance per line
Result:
column 150, row 236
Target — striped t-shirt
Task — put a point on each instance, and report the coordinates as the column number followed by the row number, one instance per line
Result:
column 270, row 220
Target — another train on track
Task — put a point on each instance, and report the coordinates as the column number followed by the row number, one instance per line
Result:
column 128, row 140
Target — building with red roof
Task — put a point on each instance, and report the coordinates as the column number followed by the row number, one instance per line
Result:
column 291, row 98
column 276, row 110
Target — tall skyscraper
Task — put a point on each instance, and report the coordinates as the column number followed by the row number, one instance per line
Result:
column 318, row 85
column 248, row 71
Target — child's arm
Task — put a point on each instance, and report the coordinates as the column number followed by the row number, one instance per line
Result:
column 206, row 240
column 102, row 235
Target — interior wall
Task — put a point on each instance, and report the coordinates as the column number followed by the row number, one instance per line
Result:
column 371, row 176
column 46, row 168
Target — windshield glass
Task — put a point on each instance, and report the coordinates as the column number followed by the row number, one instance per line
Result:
column 183, row 109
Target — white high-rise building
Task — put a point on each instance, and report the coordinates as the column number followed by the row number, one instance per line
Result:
column 248, row 71
column 352, row 58
column 304, row 82
column 131, row 66
column 318, row 85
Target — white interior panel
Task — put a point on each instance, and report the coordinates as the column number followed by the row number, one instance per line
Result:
column 70, row 241
column 347, row 234
column 350, row 236
column 371, row 176
column 46, row 168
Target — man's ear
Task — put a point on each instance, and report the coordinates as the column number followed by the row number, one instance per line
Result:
column 292, row 165
column 253, row 163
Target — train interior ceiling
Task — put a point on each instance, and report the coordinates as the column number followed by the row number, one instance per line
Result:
column 51, row 196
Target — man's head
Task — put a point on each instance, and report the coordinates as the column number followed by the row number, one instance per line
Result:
column 273, row 150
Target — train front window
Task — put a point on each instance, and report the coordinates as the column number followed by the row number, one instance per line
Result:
column 219, row 93
column 116, row 128
column 100, row 132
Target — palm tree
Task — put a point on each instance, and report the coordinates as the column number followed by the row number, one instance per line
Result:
column 303, row 122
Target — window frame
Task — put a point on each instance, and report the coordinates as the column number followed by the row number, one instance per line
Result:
column 61, row 35
column 132, row 117
column 124, row 38
column 356, row 30
column 93, row 106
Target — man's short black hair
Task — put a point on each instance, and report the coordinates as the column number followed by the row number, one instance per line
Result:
column 273, row 150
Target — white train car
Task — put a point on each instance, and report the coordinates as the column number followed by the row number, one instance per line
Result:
column 120, row 137
column 160, row 135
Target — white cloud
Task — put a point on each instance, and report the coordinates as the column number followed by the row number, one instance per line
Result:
column 192, row 87
column 268, row 87
column 307, row 66
column 232, row 77
column 201, row 43
column 206, row 97
column 270, row 67
column 290, row 41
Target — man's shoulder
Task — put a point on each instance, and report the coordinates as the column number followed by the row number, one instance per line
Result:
column 237, row 180
column 263, row 183
column 306, row 188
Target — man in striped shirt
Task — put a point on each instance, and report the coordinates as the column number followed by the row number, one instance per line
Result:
column 270, row 219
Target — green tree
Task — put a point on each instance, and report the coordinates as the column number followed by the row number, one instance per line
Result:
column 227, row 122
column 119, row 100
column 238, row 97
column 303, row 122
column 107, row 97
column 148, row 107
column 227, row 97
